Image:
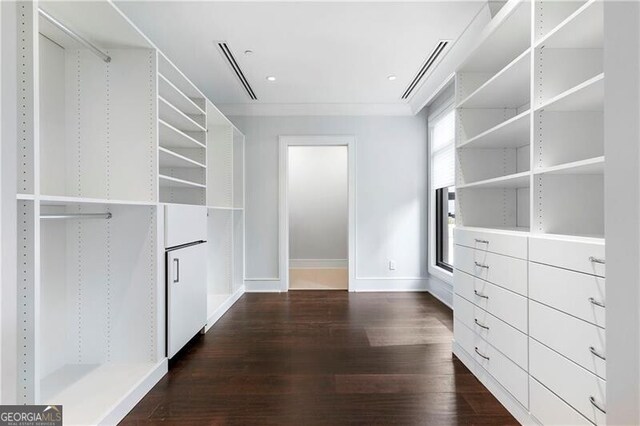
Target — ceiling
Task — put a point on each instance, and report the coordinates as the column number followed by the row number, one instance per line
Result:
column 321, row 53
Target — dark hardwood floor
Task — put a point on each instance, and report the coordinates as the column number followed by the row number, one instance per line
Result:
column 330, row 358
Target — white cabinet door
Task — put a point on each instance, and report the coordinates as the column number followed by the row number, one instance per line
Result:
column 186, row 295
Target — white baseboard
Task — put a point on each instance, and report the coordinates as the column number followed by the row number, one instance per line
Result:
column 135, row 395
column 318, row 263
column 441, row 290
column 222, row 309
column 389, row 284
column 512, row 405
column 262, row 285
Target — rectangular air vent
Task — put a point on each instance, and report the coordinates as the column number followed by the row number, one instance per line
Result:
column 431, row 60
column 228, row 56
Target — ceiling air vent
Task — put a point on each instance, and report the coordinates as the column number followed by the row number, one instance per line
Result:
column 433, row 57
column 228, row 56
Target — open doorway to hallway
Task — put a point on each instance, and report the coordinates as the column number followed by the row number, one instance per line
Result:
column 318, row 216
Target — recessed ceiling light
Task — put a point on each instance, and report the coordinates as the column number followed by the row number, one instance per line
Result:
column 271, row 78
column 391, row 77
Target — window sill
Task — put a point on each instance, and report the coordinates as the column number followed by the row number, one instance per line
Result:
column 441, row 274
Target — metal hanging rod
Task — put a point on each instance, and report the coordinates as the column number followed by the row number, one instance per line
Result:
column 72, row 34
column 77, row 216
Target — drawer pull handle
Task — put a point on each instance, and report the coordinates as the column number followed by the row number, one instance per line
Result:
column 596, row 353
column 596, row 260
column 595, row 404
column 481, row 265
column 478, row 240
column 477, row 293
column 483, row 356
column 479, row 324
column 595, row 302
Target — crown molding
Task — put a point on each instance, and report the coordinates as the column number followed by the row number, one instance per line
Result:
column 264, row 109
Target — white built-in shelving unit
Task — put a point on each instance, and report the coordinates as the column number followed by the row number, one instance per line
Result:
column 529, row 262
column 225, row 202
column 182, row 120
column 107, row 135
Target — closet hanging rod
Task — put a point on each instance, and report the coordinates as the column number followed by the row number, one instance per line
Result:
column 77, row 216
column 75, row 36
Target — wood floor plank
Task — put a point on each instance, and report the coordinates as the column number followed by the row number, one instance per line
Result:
column 323, row 358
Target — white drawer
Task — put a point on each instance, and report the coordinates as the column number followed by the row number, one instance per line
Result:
column 505, row 271
column 511, row 377
column 504, row 304
column 569, row 381
column 568, row 291
column 495, row 242
column 575, row 255
column 570, row 336
column 184, row 224
column 548, row 409
column 499, row 334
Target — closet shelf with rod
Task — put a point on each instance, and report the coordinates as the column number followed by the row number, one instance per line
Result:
column 97, row 51
column 76, row 216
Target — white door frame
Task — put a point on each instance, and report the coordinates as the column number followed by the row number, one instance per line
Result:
column 285, row 143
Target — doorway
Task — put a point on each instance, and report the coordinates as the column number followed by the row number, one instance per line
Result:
column 316, row 214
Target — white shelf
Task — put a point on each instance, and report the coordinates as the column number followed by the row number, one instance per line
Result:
column 582, row 29
column 516, row 180
column 225, row 208
column 25, row 197
column 172, row 115
column 509, row 88
column 169, row 158
column 513, row 133
column 66, row 200
column 88, row 392
column 506, row 36
column 171, row 72
column 171, row 182
column 587, row 96
column 592, row 166
column 497, row 229
column 170, row 137
column 178, row 99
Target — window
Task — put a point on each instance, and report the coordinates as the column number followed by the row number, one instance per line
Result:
column 443, row 193
column 445, row 223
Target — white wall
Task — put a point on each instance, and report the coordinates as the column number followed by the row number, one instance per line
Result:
column 318, row 210
column 391, row 194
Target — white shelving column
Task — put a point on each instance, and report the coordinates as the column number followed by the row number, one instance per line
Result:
column 493, row 124
column 182, row 127
column 529, row 273
column 225, row 201
column 89, row 288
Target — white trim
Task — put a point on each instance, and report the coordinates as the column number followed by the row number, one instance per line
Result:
column 432, row 268
column 391, row 278
column 224, row 307
column 389, row 285
column 338, row 109
column 502, row 395
column 121, row 408
column 318, row 263
column 263, row 286
column 335, row 140
column 441, row 290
